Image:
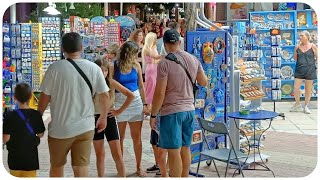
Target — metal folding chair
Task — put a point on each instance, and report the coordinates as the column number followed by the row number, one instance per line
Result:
column 223, row 154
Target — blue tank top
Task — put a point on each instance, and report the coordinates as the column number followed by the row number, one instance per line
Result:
column 129, row 80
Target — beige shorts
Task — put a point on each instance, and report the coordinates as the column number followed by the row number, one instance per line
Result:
column 80, row 147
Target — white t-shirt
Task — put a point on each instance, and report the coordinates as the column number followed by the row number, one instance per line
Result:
column 71, row 104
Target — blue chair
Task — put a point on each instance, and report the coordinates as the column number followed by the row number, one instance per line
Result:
column 223, row 154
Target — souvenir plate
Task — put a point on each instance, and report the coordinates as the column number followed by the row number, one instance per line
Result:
column 270, row 16
column 286, row 54
column 286, row 89
column 287, row 16
column 209, row 112
column 286, row 72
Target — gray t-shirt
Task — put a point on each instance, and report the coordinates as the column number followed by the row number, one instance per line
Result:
column 71, row 104
column 179, row 92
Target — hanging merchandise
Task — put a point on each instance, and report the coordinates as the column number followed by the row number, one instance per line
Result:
column 219, row 45
column 11, row 58
column 98, row 25
column 112, row 33
column 26, row 67
column 212, row 101
column 127, row 25
column 291, row 24
column 207, row 52
column 51, row 50
column 36, row 56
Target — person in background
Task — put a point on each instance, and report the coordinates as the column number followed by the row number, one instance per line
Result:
column 127, row 71
column 175, row 26
column 112, row 52
column 174, row 99
column 306, row 55
column 22, row 138
column 160, row 40
column 112, row 131
column 71, row 107
column 150, row 61
column 138, row 37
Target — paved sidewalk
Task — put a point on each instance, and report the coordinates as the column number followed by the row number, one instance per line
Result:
column 291, row 144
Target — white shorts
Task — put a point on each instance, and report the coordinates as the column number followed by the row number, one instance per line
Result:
column 135, row 110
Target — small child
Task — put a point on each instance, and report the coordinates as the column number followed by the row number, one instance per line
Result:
column 112, row 52
column 22, row 130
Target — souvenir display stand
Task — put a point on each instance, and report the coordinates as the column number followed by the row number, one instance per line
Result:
column 127, row 25
column 112, row 33
column 76, row 24
column 248, row 61
column 98, row 29
column 11, row 55
column 51, row 46
column 212, row 102
column 291, row 24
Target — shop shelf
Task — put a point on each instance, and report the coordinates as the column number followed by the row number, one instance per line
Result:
column 308, row 28
column 287, row 46
column 252, row 81
column 287, row 63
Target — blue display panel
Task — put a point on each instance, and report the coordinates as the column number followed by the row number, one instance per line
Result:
column 212, row 101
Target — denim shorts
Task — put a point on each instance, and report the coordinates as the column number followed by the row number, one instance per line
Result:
column 176, row 130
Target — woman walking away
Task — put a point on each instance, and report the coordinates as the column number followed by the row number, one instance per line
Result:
column 127, row 71
column 306, row 55
column 112, row 131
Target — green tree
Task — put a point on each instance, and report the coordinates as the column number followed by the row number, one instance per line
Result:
column 85, row 10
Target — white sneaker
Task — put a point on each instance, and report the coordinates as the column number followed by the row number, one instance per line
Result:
column 307, row 110
column 296, row 108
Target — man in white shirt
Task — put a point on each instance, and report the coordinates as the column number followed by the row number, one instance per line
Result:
column 71, row 107
column 175, row 26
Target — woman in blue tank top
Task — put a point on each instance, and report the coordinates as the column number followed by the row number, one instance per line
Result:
column 127, row 71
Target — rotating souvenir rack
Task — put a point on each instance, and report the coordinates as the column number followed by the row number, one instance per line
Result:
column 51, row 46
column 213, row 101
column 11, row 55
column 251, row 75
column 291, row 23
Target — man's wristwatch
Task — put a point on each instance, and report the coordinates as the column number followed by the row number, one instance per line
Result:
column 153, row 116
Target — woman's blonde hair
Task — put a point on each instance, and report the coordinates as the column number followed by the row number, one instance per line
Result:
column 149, row 40
column 128, row 55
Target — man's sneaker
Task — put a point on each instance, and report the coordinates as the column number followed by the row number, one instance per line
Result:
column 154, row 168
column 296, row 108
column 307, row 110
column 158, row 173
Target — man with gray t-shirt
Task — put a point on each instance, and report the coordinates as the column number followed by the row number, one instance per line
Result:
column 174, row 99
column 71, row 107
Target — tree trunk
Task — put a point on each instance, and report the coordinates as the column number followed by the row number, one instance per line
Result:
column 190, row 20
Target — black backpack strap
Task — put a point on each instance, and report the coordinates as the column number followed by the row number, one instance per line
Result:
column 81, row 73
column 172, row 57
